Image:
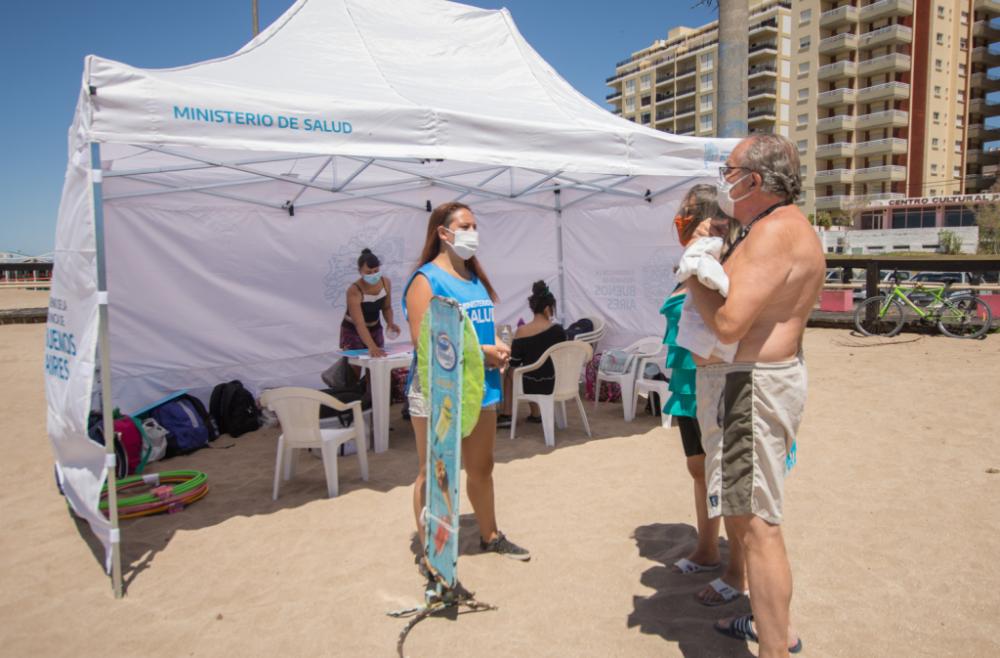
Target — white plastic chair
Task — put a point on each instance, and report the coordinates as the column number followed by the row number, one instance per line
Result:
column 568, row 360
column 644, row 386
column 643, row 347
column 594, row 336
column 298, row 412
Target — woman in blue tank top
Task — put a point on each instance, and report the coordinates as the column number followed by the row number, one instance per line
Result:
column 448, row 267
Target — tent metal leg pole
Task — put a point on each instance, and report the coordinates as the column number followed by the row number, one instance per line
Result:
column 559, row 252
column 104, row 345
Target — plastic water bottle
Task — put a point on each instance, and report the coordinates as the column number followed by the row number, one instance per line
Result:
column 505, row 334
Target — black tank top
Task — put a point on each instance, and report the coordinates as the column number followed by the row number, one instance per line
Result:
column 371, row 305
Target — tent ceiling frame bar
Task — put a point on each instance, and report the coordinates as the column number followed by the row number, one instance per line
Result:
column 491, row 195
column 357, row 172
column 576, row 184
column 461, row 187
column 221, row 195
column 349, row 196
column 188, row 167
column 667, row 188
column 326, row 163
column 486, row 180
column 464, row 172
column 545, row 179
column 246, row 170
column 176, row 190
column 611, row 190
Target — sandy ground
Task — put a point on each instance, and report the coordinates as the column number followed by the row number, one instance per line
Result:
column 21, row 298
column 891, row 524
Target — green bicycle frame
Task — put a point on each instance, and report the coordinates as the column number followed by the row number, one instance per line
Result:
column 897, row 291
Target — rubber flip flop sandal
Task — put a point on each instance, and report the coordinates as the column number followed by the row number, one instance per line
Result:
column 686, row 566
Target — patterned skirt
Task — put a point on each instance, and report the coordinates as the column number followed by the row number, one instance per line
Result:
column 350, row 340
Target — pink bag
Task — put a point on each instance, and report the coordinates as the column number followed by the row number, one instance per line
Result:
column 610, row 392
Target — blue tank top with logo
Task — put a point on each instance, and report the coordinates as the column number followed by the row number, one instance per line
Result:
column 475, row 301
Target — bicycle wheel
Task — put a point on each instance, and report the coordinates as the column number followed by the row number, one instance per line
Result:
column 965, row 316
column 887, row 314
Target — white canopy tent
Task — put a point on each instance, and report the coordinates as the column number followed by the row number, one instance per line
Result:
column 212, row 214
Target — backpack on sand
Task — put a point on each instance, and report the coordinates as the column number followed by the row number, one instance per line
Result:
column 188, row 425
column 233, row 409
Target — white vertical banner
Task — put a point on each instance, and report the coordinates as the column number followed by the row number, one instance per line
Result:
column 71, row 348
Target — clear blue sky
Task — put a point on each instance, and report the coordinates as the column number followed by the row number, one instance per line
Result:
column 44, row 44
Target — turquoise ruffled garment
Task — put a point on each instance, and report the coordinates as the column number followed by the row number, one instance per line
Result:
column 682, row 400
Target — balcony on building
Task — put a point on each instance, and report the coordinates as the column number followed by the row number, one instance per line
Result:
column 683, row 73
column 984, row 55
column 985, row 80
column 884, row 119
column 880, row 173
column 984, row 28
column 836, row 70
column 840, row 16
column 832, row 176
column 685, row 129
column 684, row 93
column 974, row 156
column 770, row 25
column 835, row 150
column 891, row 63
column 991, row 132
column 886, row 36
column 834, row 97
column 615, row 95
column 886, row 91
column 883, row 8
column 991, row 7
column 975, row 131
column 761, row 113
column 664, row 115
column 685, row 111
column 838, row 43
column 833, row 202
column 664, row 78
column 761, row 91
column 887, row 146
column 762, row 70
column 835, row 124
column 665, row 97
column 765, row 49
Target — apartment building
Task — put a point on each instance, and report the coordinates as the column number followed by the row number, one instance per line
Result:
column 885, row 99
column 671, row 85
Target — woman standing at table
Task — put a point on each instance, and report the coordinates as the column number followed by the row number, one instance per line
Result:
column 368, row 300
column 448, row 267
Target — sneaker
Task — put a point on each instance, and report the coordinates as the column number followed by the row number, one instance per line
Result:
column 505, row 547
column 503, row 420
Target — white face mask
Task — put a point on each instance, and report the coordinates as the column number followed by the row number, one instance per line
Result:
column 466, row 243
column 372, row 279
column 727, row 203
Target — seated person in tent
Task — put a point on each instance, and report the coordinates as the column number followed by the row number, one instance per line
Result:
column 368, row 300
column 530, row 342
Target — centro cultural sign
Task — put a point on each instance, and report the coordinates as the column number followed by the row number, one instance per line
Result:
column 937, row 200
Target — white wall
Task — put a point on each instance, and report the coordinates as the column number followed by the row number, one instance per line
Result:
column 899, row 239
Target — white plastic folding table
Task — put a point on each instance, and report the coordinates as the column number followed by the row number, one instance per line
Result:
column 381, row 370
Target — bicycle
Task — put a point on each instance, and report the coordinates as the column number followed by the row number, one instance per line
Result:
column 963, row 315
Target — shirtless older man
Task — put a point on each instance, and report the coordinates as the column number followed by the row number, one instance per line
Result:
column 749, row 410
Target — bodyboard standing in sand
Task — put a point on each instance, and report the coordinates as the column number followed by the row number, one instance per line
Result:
column 451, row 370
column 451, row 374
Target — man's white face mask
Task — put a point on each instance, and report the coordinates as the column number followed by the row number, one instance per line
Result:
column 726, row 202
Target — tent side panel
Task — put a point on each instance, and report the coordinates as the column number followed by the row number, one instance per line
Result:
column 71, row 345
column 620, row 258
